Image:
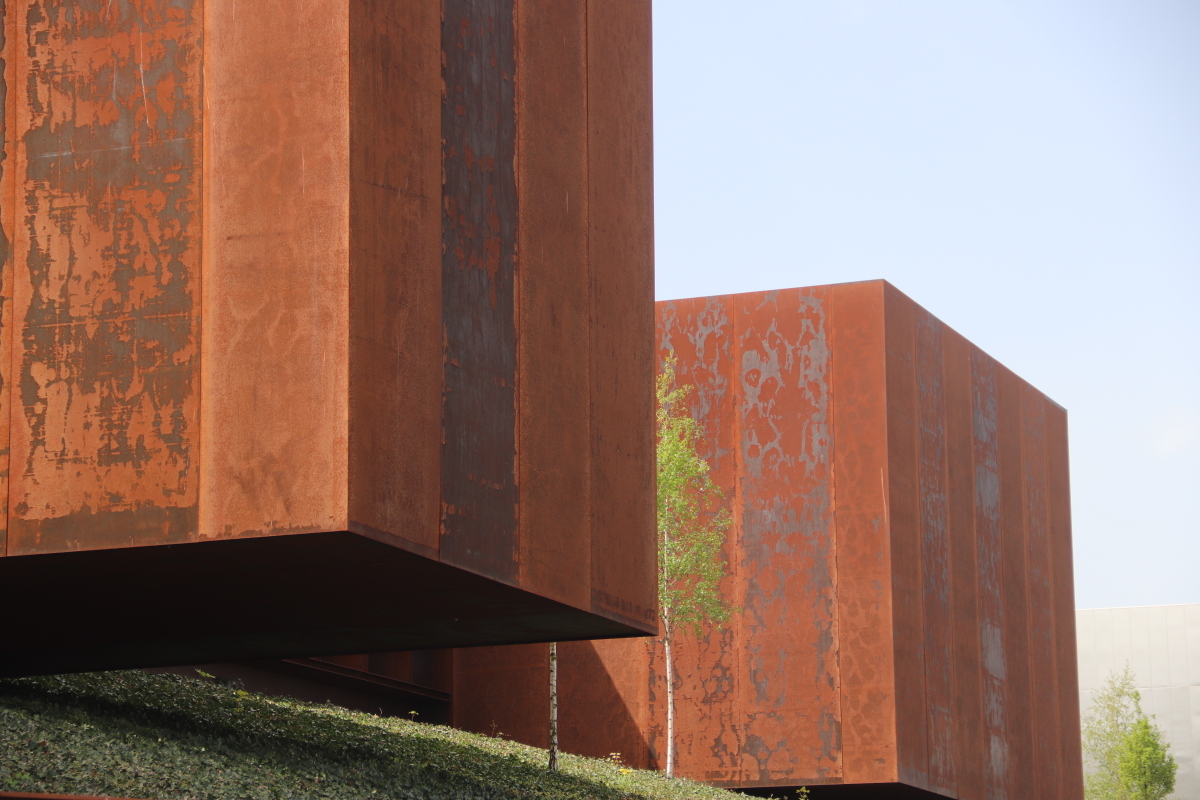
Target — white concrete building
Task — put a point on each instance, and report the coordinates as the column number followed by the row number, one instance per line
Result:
column 1162, row 646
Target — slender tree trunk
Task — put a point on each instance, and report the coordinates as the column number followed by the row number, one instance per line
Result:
column 553, row 705
column 670, row 706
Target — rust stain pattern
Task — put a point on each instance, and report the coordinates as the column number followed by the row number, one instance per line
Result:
column 479, row 263
column 1015, row 585
column 990, row 557
column 935, row 552
column 968, row 738
column 785, row 543
column 860, row 416
column 106, row 367
column 1047, row 755
column 7, row 222
column 753, row 709
column 900, row 558
column 904, row 524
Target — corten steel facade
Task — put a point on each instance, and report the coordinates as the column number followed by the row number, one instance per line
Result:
column 327, row 327
column 901, row 558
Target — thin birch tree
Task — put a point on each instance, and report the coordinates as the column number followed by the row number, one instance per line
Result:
column 553, row 706
column 692, row 526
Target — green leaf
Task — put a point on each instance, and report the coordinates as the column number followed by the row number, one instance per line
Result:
column 693, row 520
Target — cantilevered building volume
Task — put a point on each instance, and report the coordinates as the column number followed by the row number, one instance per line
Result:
column 324, row 329
column 901, row 559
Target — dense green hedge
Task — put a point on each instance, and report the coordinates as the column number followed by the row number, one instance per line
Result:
column 160, row 736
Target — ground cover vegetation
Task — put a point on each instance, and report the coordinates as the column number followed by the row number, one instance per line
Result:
column 1123, row 749
column 132, row 734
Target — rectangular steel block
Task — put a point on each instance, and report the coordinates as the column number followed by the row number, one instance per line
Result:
column 899, row 562
column 326, row 328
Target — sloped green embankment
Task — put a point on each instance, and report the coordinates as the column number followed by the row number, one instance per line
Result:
column 131, row 734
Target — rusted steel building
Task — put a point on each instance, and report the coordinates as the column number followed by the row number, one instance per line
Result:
column 900, row 559
column 326, row 327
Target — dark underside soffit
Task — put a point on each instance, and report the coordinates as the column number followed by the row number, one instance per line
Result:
column 282, row 596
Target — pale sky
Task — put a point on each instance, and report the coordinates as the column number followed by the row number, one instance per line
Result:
column 1029, row 171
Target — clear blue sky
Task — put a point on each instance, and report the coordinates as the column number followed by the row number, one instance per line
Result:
column 1029, row 171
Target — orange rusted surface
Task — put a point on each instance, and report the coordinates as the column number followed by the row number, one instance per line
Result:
column 554, row 291
column 620, row 238
column 8, row 200
column 395, row 425
column 104, row 382
column 899, row 561
column 860, row 420
column 331, row 292
column 970, row 741
column 276, row 268
column 603, row 696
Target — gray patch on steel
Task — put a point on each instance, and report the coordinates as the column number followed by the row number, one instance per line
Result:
column 799, row 524
column 989, row 556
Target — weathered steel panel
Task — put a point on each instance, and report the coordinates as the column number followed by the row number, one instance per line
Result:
column 1042, row 656
column 395, row 277
column 602, row 696
column 1016, row 588
column 970, row 746
column 106, row 290
column 989, row 549
column 275, row 391
column 8, row 220
column 479, row 265
column 904, row 507
column 553, row 292
column 935, row 553
column 860, row 418
column 787, row 572
column 505, row 691
column 621, row 255
column 602, row 700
